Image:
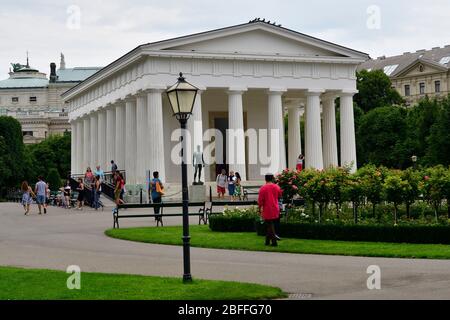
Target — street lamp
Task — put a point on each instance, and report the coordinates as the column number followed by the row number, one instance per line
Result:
column 414, row 161
column 182, row 98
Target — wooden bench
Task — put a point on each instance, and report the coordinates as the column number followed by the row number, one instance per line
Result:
column 200, row 205
column 250, row 190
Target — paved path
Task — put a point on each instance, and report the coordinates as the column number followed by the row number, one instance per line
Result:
column 66, row 237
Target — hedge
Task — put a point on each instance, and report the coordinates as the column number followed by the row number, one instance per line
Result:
column 231, row 224
column 376, row 233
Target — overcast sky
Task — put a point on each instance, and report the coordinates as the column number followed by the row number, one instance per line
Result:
column 95, row 32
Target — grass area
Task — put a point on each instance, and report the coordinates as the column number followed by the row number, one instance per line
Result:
column 202, row 236
column 32, row 284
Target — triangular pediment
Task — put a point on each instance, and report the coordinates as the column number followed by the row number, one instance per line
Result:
column 421, row 67
column 256, row 38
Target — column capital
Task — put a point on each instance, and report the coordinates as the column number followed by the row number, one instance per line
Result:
column 153, row 88
column 276, row 91
column 293, row 103
column 129, row 98
column 329, row 95
column 348, row 93
column 236, row 90
column 314, row 92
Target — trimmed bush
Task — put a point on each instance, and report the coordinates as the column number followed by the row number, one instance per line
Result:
column 377, row 233
column 231, row 223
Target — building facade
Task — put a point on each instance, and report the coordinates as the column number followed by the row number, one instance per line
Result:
column 416, row 75
column 35, row 101
column 248, row 74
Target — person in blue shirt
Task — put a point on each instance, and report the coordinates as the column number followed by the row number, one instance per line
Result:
column 155, row 195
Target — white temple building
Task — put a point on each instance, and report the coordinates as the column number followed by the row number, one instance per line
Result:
column 249, row 74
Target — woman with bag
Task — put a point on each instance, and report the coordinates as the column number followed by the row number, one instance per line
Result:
column 156, row 191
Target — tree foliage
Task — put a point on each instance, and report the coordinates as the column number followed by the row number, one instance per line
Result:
column 375, row 90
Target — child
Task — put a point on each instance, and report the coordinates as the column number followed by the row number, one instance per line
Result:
column 27, row 196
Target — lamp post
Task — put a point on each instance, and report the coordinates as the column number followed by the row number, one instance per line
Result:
column 182, row 98
column 414, row 161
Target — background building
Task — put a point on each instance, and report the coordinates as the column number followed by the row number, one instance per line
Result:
column 414, row 75
column 33, row 99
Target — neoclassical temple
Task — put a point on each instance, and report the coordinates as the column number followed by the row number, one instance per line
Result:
column 248, row 76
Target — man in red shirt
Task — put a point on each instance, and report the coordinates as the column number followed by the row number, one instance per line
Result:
column 269, row 208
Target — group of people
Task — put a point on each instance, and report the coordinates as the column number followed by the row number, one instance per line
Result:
column 232, row 182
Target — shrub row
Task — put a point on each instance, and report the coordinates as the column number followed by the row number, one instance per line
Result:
column 376, row 233
column 231, row 224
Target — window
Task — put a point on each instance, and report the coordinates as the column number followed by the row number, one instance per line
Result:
column 407, row 90
column 388, row 70
column 15, row 99
column 33, row 99
column 422, row 88
column 27, row 133
column 445, row 60
column 437, row 86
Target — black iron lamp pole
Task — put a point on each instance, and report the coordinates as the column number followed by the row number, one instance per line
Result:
column 182, row 98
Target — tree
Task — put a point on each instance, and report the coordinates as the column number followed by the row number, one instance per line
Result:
column 375, row 90
column 12, row 153
column 53, row 152
column 381, row 137
column 419, row 121
column 439, row 138
column 54, row 179
column 394, row 189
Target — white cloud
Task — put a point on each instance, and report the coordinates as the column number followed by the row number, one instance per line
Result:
column 109, row 29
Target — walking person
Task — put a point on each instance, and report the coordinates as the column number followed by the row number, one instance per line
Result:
column 221, row 182
column 156, row 191
column 67, row 194
column 231, row 184
column 41, row 190
column 119, row 188
column 80, row 190
column 269, row 207
column 113, row 167
column 97, row 189
column 238, row 187
column 27, row 196
column 99, row 172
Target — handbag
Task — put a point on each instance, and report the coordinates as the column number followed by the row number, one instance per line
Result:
column 159, row 189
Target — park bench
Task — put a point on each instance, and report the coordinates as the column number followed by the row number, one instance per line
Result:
column 250, row 190
column 197, row 205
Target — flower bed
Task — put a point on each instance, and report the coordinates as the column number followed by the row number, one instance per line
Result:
column 235, row 220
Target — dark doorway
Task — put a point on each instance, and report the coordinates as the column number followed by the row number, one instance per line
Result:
column 221, row 124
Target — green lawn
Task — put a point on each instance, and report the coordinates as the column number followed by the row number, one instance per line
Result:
column 31, row 284
column 202, row 236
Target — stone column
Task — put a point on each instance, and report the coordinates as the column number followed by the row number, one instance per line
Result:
column 276, row 125
column 101, row 136
column 348, row 141
column 94, row 141
column 130, row 140
column 330, row 155
column 110, row 135
column 141, row 137
column 79, row 150
column 73, row 147
column 86, row 143
column 155, row 145
column 195, row 128
column 294, row 134
column 120, row 135
column 236, row 134
column 313, row 143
